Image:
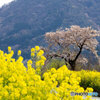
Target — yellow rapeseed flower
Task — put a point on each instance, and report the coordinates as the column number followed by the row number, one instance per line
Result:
column 37, row 48
column 40, row 53
column 32, row 54
column 9, row 49
column 43, row 58
column 33, row 50
column 29, row 62
column 19, row 52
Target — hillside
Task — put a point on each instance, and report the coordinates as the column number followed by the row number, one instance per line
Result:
column 23, row 20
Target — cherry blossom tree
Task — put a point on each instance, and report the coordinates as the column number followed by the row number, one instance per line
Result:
column 69, row 44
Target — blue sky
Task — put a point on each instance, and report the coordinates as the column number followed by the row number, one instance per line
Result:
column 2, row 2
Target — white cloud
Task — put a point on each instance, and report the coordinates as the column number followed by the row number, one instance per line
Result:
column 2, row 2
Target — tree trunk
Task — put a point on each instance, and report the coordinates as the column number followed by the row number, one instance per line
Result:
column 72, row 64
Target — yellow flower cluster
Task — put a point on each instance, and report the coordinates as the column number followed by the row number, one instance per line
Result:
column 20, row 83
column 19, row 53
column 37, row 58
column 89, row 78
column 9, row 49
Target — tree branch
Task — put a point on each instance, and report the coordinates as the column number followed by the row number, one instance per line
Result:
column 81, row 47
